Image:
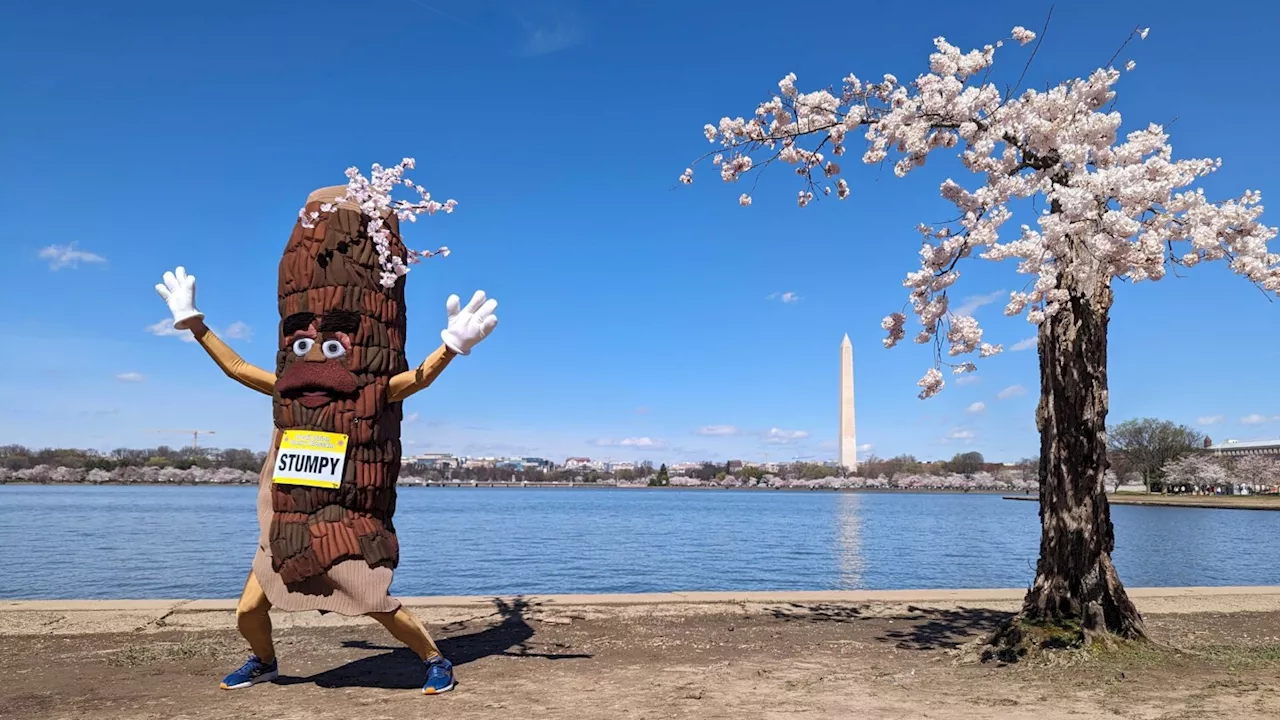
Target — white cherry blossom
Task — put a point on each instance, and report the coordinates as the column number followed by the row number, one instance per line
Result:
column 1122, row 197
column 373, row 196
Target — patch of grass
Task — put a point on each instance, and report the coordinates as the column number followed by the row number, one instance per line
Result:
column 1234, row 656
column 154, row 653
column 1121, row 656
column 1144, row 654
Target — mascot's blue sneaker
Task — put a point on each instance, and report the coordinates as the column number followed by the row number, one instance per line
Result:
column 251, row 673
column 439, row 677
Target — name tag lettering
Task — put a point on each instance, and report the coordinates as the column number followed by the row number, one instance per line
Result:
column 310, row 458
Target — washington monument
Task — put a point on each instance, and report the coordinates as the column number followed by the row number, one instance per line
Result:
column 848, row 424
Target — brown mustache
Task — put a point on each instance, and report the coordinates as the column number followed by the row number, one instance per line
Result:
column 328, row 375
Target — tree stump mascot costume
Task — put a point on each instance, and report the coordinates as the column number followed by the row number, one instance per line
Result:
column 327, row 492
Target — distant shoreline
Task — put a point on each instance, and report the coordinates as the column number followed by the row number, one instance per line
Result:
column 556, row 486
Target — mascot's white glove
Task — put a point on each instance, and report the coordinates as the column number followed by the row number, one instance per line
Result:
column 179, row 292
column 469, row 325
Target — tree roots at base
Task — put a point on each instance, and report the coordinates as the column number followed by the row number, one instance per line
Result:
column 1023, row 637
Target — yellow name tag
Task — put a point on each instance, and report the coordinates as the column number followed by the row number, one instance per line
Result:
column 310, row 458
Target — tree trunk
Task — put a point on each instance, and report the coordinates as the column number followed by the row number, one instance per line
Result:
column 1077, row 596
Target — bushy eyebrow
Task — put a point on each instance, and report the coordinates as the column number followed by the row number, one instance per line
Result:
column 340, row 321
column 296, row 322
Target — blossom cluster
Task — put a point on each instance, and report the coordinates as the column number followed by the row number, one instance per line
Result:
column 1113, row 206
column 1198, row 470
column 129, row 475
column 979, row 481
column 373, row 196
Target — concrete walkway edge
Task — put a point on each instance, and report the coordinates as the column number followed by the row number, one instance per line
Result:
column 164, row 608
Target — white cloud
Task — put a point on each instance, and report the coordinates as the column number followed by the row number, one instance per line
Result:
column 60, row 256
column 977, row 407
column 235, row 331
column 1254, row 419
column 131, row 377
column 776, row 436
column 412, row 417
column 165, row 328
column 1209, row 419
column 962, row 434
column 642, row 443
column 968, row 379
column 238, row 331
column 1028, row 344
column 970, row 305
column 557, row 28
column 718, row 430
column 865, row 447
column 1011, row 391
column 786, row 297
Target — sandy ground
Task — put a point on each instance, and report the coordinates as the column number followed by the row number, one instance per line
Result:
column 543, row 658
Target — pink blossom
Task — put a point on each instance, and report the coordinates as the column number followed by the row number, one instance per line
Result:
column 373, row 196
column 894, row 325
column 1023, row 35
column 931, row 384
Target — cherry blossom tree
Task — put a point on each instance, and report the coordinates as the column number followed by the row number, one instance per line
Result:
column 1109, row 207
column 1196, row 470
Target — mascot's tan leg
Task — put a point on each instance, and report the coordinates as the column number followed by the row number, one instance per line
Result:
column 409, row 630
column 254, row 621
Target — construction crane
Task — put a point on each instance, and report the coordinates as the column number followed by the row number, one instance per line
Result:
column 195, row 435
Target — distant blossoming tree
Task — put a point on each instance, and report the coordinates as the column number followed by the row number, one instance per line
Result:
column 1197, row 471
column 1112, row 207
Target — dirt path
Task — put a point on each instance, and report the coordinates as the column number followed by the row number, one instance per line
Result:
column 515, row 660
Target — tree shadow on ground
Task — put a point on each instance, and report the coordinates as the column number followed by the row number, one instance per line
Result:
column 921, row 628
column 933, row 629
column 398, row 668
column 819, row 612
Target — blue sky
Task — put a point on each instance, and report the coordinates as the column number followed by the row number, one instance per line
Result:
column 636, row 318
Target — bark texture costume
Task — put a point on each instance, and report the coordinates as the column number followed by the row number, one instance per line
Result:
column 341, row 373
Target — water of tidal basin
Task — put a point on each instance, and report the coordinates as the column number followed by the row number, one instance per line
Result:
column 197, row 542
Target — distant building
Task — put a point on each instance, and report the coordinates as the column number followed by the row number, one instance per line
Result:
column 577, row 463
column 615, row 467
column 431, row 461
column 1237, row 448
column 524, row 463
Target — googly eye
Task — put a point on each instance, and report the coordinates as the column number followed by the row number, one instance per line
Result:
column 302, row 346
column 333, row 349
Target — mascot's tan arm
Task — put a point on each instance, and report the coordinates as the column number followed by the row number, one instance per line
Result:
column 179, row 292
column 411, row 381
column 466, row 327
column 229, row 360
